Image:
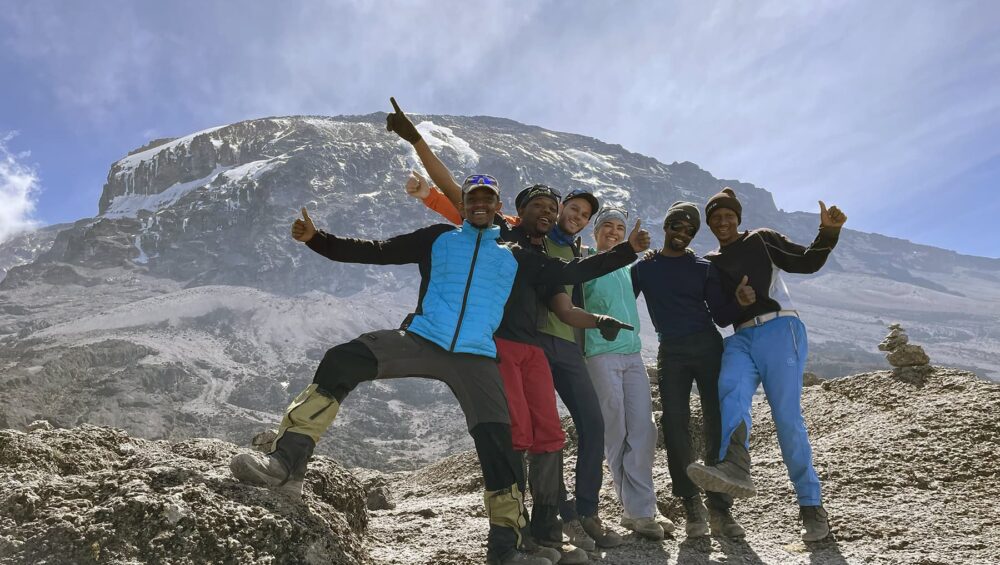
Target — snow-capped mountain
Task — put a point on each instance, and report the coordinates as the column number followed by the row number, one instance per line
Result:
column 185, row 308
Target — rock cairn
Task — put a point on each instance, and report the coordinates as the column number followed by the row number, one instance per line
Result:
column 909, row 362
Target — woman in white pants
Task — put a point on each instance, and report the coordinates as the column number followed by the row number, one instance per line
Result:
column 619, row 376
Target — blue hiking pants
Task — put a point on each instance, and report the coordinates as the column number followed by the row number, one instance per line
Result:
column 773, row 354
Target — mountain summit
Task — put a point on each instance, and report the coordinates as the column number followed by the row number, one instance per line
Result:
column 185, row 308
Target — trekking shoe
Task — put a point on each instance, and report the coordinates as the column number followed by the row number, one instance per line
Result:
column 731, row 475
column 515, row 557
column 645, row 527
column 603, row 537
column 815, row 524
column 723, row 524
column 579, row 536
column 282, row 470
column 696, row 513
column 530, row 547
column 569, row 554
column 724, row 477
column 666, row 523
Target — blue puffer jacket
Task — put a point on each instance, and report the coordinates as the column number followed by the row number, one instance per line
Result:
column 470, row 279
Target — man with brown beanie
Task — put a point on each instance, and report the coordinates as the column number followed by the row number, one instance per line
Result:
column 768, row 347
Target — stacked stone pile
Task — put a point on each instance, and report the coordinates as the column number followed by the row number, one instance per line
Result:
column 909, row 361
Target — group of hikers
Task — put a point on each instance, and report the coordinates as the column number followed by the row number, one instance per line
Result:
column 513, row 310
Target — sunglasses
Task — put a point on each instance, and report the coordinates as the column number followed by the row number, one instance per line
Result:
column 480, row 180
column 682, row 227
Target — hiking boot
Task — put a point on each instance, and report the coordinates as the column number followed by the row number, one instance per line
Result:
column 815, row 525
column 666, row 523
column 579, row 536
column 603, row 537
column 569, row 554
column 697, row 517
column 645, row 527
column 723, row 524
column 731, row 475
column 530, row 547
column 283, row 470
column 515, row 557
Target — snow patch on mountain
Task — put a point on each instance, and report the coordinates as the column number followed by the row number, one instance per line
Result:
column 129, row 206
column 439, row 137
column 128, row 164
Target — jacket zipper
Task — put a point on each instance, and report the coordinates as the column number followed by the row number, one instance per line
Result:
column 465, row 297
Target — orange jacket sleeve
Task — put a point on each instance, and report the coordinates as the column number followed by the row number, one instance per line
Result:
column 438, row 202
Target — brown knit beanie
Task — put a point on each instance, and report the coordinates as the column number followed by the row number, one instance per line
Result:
column 724, row 199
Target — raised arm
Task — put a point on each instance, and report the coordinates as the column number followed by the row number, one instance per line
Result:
column 418, row 187
column 794, row 258
column 399, row 250
column 583, row 269
column 399, row 123
column 438, row 202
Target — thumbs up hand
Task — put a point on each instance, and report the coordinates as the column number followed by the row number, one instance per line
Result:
column 745, row 294
column 639, row 238
column 832, row 218
column 303, row 229
column 417, row 186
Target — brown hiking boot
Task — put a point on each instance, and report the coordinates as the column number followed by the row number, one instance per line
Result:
column 603, row 537
column 282, row 470
column 730, row 476
column 723, row 524
column 697, row 517
column 578, row 536
column 815, row 523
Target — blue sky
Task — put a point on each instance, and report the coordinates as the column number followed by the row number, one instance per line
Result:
column 889, row 109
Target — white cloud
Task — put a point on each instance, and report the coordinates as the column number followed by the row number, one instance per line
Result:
column 18, row 189
column 870, row 105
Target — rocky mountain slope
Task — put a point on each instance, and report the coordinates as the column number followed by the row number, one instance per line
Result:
column 185, row 309
column 907, row 469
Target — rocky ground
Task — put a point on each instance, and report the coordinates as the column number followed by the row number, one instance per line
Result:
column 95, row 495
column 909, row 475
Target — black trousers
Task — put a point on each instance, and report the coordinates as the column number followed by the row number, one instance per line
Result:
column 347, row 365
column 572, row 382
column 695, row 358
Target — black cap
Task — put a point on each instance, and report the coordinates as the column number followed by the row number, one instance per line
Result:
column 534, row 191
column 595, row 205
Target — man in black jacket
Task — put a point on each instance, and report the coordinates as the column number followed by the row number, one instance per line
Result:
column 769, row 348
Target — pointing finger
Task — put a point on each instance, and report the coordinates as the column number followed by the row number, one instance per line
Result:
column 394, row 105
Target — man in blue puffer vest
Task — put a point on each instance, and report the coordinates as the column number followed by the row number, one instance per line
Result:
column 466, row 276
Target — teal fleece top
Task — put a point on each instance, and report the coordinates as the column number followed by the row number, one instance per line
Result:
column 612, row 295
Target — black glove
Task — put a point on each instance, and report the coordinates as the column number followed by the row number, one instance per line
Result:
column 399, row 123
column 610, row 327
